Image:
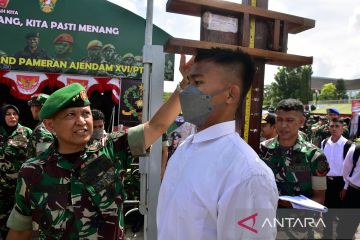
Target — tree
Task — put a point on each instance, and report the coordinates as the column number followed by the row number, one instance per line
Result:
column 289, row 83
column 357, row 95
column 341, row 90
column 328, row 92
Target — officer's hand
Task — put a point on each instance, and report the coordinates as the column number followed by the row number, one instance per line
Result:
column 185, row 69
column 343, row 194
column 285, row 203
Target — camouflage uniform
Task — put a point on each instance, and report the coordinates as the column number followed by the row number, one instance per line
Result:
column 39, row 141
column 76, row 196
column 12, row 155
column 293, row 167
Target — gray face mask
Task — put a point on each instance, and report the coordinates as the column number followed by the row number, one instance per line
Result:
column 196, row 105
column 98, row 134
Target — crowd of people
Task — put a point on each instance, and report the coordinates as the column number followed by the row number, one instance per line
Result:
column 64, row 179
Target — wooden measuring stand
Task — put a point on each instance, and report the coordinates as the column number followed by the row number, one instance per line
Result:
column 251, row 27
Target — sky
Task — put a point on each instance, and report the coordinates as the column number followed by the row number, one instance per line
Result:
column 334, row 42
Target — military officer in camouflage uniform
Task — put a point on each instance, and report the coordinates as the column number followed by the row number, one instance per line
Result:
column 73, row 191
column 31, row 51
column 299, row 167
column 40, row 138
column 13, row 142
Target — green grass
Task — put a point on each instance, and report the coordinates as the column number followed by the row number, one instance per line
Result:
column 344, row 108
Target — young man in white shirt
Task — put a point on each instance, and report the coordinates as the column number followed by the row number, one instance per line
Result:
column 335, row 148
column 350, row 220
column 215, row 186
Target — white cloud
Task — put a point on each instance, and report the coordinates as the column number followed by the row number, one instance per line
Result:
column 333, row 42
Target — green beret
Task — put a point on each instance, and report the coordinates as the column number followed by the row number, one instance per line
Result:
column 73, row 95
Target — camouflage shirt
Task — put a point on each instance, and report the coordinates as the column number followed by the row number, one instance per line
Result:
column 294, row 167
column 76, row 196
column 39, row 141
column 12, row 156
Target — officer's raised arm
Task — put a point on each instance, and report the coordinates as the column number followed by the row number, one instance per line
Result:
column 167, row 113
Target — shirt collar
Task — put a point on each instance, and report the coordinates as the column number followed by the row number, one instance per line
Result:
column 339, row 142
column 275, row 143
column 215, row 131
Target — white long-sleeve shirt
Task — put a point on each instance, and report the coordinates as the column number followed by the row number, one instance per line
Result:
column 334, row 155
column 348, row 164
column 212, row 182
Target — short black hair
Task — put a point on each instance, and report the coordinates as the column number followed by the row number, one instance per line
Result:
column 97, row 115
column 236, row 59
column 337, row 120
column 290, row 104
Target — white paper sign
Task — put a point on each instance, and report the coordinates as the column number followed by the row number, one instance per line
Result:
column 220, row 23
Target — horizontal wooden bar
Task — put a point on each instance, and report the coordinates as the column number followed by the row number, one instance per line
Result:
column 197, row 7
column 185, row 46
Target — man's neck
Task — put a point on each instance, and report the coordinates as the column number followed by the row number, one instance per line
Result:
column 287, row 142
column 335, row 139
column 32, row 50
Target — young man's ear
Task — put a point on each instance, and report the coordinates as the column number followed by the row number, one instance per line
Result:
column 234, row 94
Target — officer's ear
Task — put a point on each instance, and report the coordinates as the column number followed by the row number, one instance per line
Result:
column 302, row 120
column 49, row 124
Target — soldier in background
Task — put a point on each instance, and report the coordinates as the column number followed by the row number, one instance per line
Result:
column 111, row 57
column 13, row 143
column 31, row 51
column 40, row 138
column 2, row 65
column 268, row 129
column 128, row 60
column 63, row 46
column 94, row 49
column 299, row 167
column 99, row 133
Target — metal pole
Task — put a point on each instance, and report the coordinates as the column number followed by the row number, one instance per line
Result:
column 147, row 66
column 144, row 161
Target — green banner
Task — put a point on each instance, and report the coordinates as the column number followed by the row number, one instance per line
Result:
column 87, row 37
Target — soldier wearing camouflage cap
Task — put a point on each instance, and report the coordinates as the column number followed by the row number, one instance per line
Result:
column 268, row 129
column 110, row 55
column 75, row 190
column 40, row 138
column 94, row 50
